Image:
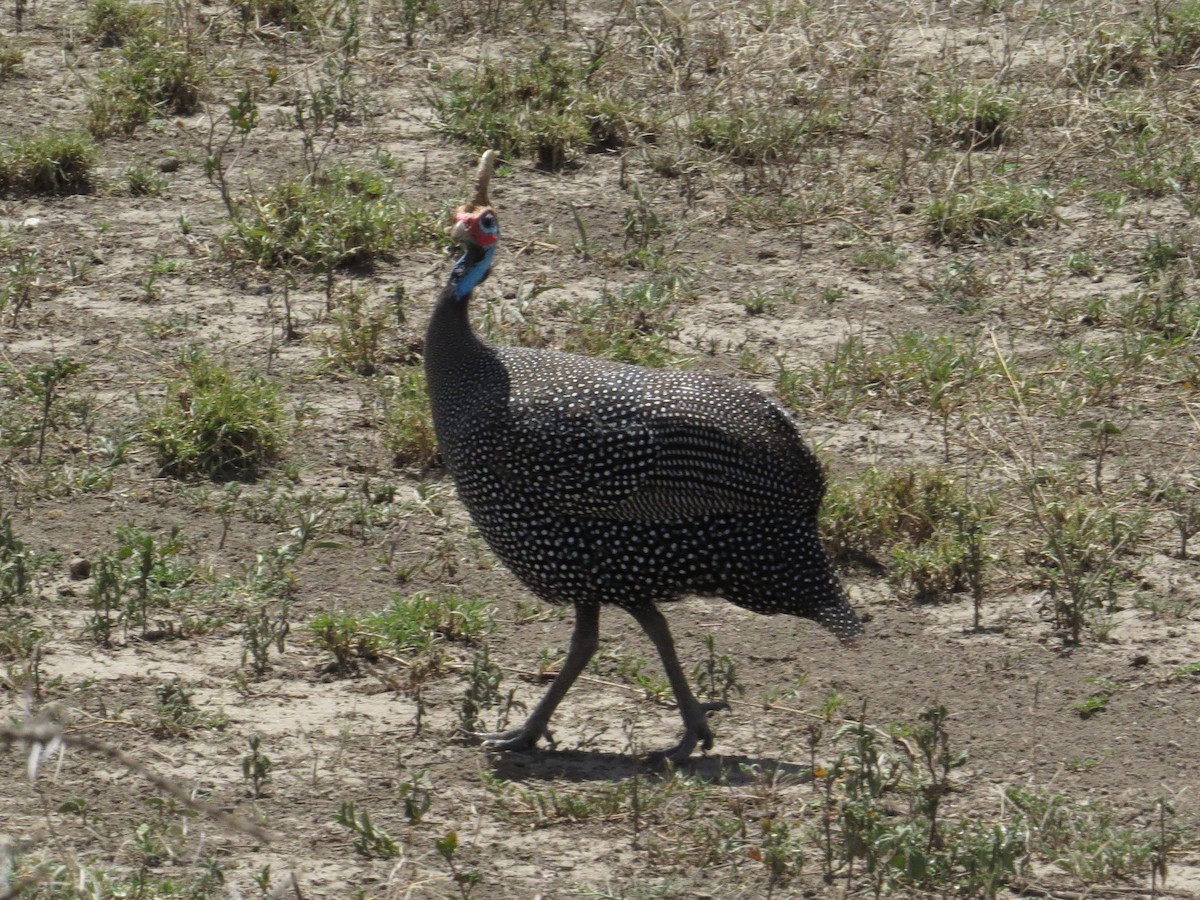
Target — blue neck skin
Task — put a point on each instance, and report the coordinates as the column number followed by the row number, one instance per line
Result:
column 464, row 277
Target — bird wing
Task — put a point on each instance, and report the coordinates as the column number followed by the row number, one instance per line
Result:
column 642, row 444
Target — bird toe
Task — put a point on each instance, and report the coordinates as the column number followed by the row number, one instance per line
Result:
column 515, row 740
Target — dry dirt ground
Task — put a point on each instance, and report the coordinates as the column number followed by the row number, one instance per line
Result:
column 380, row 736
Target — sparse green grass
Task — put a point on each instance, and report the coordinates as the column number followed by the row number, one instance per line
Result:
column 1158, row 164
column 1083, row 551
column 143, row 182
column 416, row 622
column 12, row 59
column 111, row 23
column 405, row 423
column 1087, row 839
column 881, row 257
column 157, row 75
column 177, row 716
column 16, row 564
column 343, row 216
column 1111, row 57
column 414, row 625
column 47, row 162
column 216, row 422
column 632, row 325
column 342, row 634
column 997, row 210
column 962, row 287
column 1177, row 33
column 297, row 16
column 757, row 138
column 974, row 116
column 152, row 585
column 937, row 373
column 545, row 108
column 1097, row 700
column 39, row 404
column 358, row 344
column 927, row 530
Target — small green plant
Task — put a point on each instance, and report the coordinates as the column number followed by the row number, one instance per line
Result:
column 110, row 23
column 465, row 879
column 995, row 210
column 1180, row 496
column 1175, row 33
column 926, row 528
column 11, row 60
column 780, row 850
column 143, row 182
column 262, row 631
column 482, row 692
column 1111, row 57
column 341, row 634
column 760, row 137
column 177, row 716
column 39, row 404
column 19, row 287
column 1097, row 700
column 359, row 343
column 369, row 839
column 16, row 564
column 883, row 810
column 416, row 795
column 106, row 600
column 962, row 287
column 1086, row 840
column 1162, row 252
column 295, row 16
column 759, row 303
column 256, row 767
column 1081, row 263
column 156, row 76
column 48, row 162
column 1103, row 434
column 974, row 116
column 216, row 422
column 1079, row 551
column 932, row 372
column 337, row 217
column 633, row 325
column 716, row 674
column 21, row 644
column 545, row 109
column 149, row 572
column 640, row 224
column 44, row 383
column 418, row 621
column 405, row 422
column 881, row 257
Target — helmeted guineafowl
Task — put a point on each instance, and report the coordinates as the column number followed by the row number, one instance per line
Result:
column 597, row 482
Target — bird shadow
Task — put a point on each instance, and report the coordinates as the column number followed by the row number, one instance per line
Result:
column 585, row 765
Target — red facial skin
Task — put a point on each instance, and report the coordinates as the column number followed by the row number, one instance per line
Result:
column 469, row 222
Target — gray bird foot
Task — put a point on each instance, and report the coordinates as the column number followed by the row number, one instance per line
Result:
column 517, row 739
column 696, row 731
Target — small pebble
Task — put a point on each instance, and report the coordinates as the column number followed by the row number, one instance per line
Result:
column 80, row 568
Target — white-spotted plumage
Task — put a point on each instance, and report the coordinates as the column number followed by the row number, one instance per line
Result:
column 602, row 483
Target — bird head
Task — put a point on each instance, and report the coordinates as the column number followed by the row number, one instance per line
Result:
column 475, row 221
column 477, row 229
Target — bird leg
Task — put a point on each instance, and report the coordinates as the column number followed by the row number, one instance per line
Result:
column 584, row 641
column 694, row 713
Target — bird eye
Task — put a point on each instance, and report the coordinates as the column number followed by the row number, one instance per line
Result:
column 488, row 221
